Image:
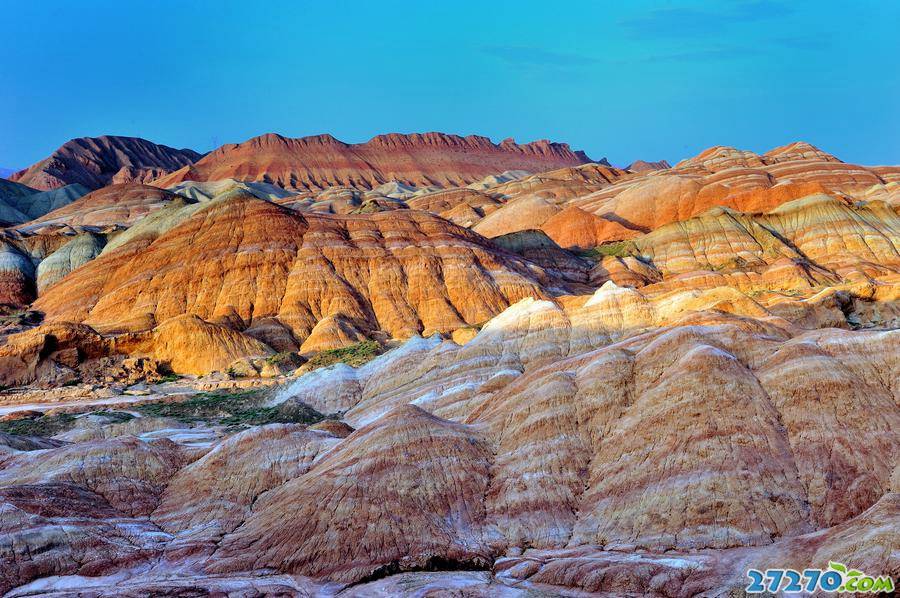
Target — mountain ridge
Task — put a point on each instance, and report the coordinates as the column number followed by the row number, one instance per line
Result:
column 420, row 159
column 98, row 161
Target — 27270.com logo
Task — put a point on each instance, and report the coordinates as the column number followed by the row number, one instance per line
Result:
column 837, row 578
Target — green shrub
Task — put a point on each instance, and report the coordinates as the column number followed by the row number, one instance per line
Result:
column 203, row 406
column 239, row 408
column 51, row 425
column 285, row 359
column 613, row 249
column 44, row 425
column 354, row 355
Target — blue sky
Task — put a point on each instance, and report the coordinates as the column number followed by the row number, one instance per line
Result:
column 644, row 80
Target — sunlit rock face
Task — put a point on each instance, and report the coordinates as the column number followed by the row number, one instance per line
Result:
column 735, row 179
column 319, row 276
column 240, row 259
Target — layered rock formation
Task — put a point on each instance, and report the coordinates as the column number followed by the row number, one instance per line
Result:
column 46, row 244
column 314, row 163
column 644, row 166
column 737, row 179
column 569, row 447
column 437, row 488
column 644, row 383
column 23, row 251
column 260, row 459
column 204, row 191
column 804, row 243
column 629, row 203
column 639, row 404
column 98, row 161
column 129, row 474
column 16, row 275
column 77, row 252
column 293, row 281
column 19, row 203
column 114, row 205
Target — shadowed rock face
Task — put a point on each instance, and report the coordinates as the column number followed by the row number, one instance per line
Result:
column 70, row 256
column 98, row 161
column 314, row 163
column 114, row 205
column 425, row 478
column 128, row 473
column 256, row 461
column 20, row 203
column 550, row 448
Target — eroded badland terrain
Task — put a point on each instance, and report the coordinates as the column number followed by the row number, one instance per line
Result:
column 430, row 364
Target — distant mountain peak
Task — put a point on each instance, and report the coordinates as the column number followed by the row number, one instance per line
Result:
column 98, row 161
column 644, row 166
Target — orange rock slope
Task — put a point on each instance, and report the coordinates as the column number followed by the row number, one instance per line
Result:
column 741, row 180
column 626, row 204
column 281, row 276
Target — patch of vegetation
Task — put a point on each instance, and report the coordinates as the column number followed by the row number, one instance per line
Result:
column 354, row 355
column 115, row 417
column 168, row 378
column 19, row 316
column 285, row 359
column 44, row 425
column 295, row 413
column 203, row 406
column 51, row 425
column 612, row 249
column 299, row 412
column 232, row 409
column 371, row 207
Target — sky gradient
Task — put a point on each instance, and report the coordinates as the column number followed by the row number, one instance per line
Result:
column 648, row 80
